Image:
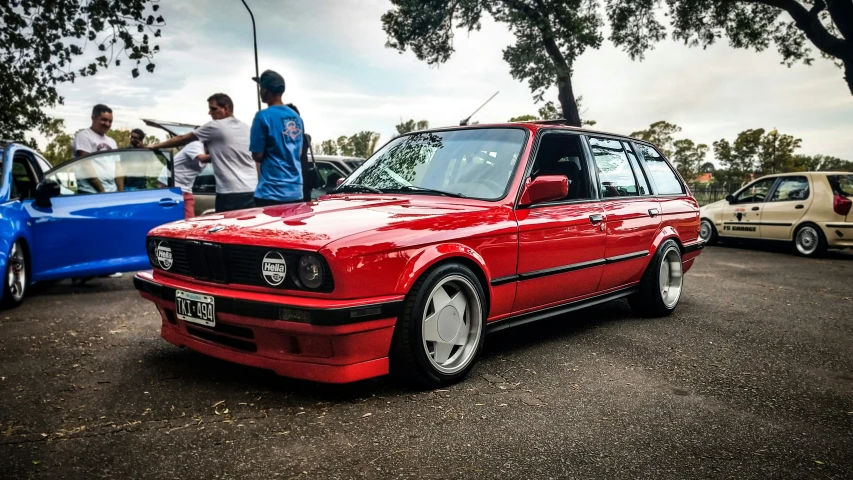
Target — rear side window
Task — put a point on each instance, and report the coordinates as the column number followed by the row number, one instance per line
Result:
column 615, row 175
column 841, row 184
column 638, row 172
column 791, row 188
column 665, row 179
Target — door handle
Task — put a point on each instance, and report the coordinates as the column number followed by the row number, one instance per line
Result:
column 596, row 219
column 755, row 209
column 653, row 212
column 800, row 207
column 167, row 202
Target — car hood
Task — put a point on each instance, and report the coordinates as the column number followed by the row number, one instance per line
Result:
column 711, row 207
column 313, row 225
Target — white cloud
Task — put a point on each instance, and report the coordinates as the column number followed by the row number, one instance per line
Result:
column 344, row 80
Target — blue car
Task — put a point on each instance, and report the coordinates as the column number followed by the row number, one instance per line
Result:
column 84, row 218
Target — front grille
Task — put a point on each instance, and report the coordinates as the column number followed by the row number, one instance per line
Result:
column 226, row 263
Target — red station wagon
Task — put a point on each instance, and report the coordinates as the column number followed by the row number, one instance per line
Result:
column 440, row 237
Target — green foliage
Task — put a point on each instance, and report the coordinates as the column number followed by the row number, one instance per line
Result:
column 688, row 158
column 549, row 111
column 659, row 134
column 58, row 147
column 122, row 138
column 361, row 145
column 789, row 25
column 40, row 39
column 524, row 118
column 707, row 167
column 549, row 34
column 823, row 163
column 411, row 126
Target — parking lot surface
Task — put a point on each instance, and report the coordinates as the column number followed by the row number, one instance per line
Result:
column 752, row 377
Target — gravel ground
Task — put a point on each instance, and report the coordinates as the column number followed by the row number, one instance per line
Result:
column 752, row 377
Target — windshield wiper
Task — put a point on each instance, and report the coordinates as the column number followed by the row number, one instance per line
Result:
column 414, row 188
column 354, row 187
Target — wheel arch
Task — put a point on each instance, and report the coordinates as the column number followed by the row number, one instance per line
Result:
column 437, row 255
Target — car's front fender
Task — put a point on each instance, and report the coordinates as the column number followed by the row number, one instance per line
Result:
column 433, row 254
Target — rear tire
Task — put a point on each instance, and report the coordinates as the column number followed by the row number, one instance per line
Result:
column 661, row 286
column 442, row 328
column 810, row 241
column 708, row 232
column 15, row 277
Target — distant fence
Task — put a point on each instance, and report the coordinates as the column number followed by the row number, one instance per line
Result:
column 706, row 194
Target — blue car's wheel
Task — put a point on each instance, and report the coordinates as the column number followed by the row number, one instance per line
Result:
column 15, row 285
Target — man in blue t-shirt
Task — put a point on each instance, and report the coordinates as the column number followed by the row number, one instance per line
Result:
column 276, row 143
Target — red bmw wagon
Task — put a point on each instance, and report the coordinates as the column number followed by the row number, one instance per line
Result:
column 437, row 239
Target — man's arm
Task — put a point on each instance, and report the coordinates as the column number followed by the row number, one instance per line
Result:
column 258, row 157
column 203, row 158
column 174, row 142
column 119, row 177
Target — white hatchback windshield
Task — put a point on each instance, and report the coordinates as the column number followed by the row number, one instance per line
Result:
column 476, row 163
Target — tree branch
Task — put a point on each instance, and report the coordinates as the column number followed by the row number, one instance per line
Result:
column 842, row 15
column 811, row 26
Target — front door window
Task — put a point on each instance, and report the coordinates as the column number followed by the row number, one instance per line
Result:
column 755, row 193
column 112, row 171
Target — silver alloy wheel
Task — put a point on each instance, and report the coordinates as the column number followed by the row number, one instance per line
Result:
column 16, row 273
column 807, row 240
column 671, row 277
column 705, row 230
column 452, row 324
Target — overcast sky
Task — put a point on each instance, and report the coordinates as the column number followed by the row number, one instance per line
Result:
column 338, row 72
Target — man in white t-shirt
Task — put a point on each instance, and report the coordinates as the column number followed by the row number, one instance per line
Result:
column 188, row 163
column 227, row 140
column 103, row 173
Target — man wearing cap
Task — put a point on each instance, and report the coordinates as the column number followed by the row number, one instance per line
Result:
column 276, row 143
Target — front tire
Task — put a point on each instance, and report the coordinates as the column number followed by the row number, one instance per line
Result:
column 15, row 284
column 810, row 241
column 442, row 329
column 661, row 286
column 708, row 232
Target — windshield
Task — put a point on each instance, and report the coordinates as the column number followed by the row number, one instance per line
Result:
column 476, row 163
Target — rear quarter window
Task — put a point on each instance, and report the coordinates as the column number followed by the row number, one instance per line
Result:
column 665, row 179
column 841, row 184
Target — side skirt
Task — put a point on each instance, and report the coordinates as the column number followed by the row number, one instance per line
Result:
column 556, row 310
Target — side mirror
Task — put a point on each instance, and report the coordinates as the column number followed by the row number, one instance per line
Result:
column 544, row 188
column 44, row 191
column 339, row 182
column 730, row 198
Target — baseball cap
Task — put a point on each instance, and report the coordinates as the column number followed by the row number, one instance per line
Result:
column 271, row 81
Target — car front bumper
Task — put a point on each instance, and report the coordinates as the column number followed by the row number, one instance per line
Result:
column 320, row 340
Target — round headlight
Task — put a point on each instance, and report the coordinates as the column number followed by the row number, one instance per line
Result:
column 310, row 271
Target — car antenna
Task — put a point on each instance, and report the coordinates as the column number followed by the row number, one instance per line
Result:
column 465, row 121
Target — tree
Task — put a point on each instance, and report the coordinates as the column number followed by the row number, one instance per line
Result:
column 776, row 153
column 549, row 112
column 754, row 24
column 122, row 138
column 411, row 126
column 550, row 35
column 822, row 163
column 39, row 40
column 58, row 147
column 524, row 118
column 659, row 134
column 361, row 145
column 707, row 167
column 688, row 158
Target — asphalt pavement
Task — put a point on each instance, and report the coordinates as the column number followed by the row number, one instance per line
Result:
column 752, row 377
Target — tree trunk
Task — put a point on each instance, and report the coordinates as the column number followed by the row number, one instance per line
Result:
column 564, row 82
column 567, row 101
column 848, row 73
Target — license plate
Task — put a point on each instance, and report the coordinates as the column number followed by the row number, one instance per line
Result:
column 195, row 308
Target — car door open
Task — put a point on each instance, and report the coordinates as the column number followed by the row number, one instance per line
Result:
column 107, row 203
